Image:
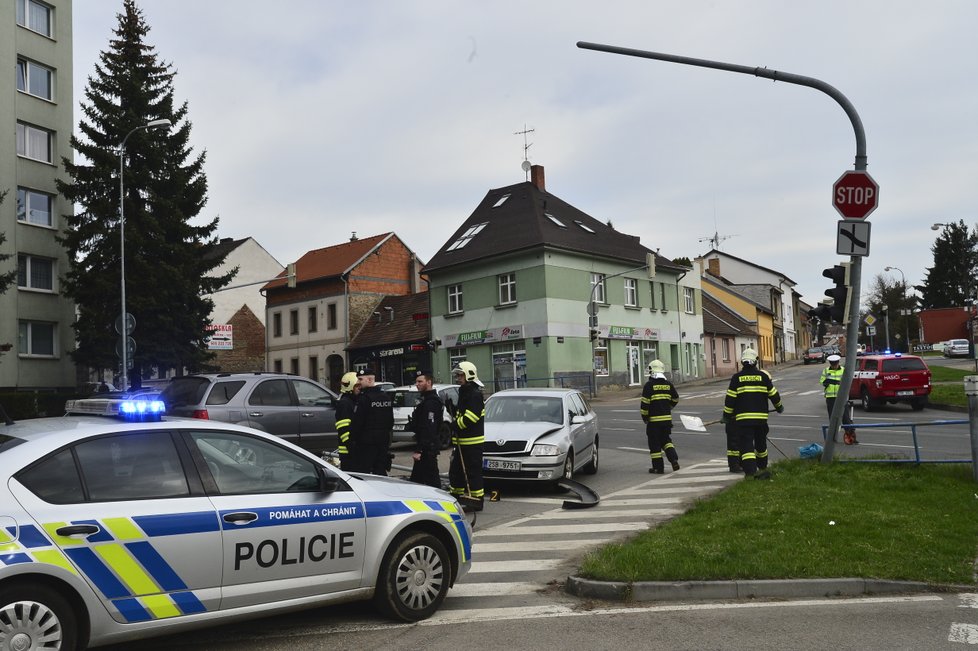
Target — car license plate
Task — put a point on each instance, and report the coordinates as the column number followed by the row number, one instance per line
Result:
column 398, row 427
column 904, row 393
column 495, row 464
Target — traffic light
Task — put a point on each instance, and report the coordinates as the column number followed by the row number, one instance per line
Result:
column 594, row 334
column 434, row 344
column 838, row 309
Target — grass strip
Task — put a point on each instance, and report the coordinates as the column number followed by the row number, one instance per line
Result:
column 892, row 521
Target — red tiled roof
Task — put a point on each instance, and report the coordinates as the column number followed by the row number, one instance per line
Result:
column 407, row 324
column 330, row 261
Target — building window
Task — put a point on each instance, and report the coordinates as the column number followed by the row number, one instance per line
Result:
column 35, row 273
column 277, row 324
column 36, row 338
column 294, row 366
column 507, row 289
column 467, row 236
column 277, row 366
column 34, row 79
column 34, row 207
column 454, row 299
column 652, row 294
column 313, row 368
column 662, row 295
column 689, row 299
column 455, row 355
column 35, row 16
column 313, row 319
column 725, row 346
column 631, row 292
column 293, row 322
column 34, row 142
column 331, row 316
column 598, row 294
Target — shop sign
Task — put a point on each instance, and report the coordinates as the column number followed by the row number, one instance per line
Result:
column 221, row 337
column 505, row 333
column 628, row 332
column 390, row 352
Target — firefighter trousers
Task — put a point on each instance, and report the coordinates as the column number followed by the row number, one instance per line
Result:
column 733, row 446
column 660, row 443
column 752, row 443
column 467, row 479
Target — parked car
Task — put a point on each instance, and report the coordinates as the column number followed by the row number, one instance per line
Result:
column 957, row 348
column 406, row 399
column 880, row 379
column 814, row 355
column 540, row 435
column 115, row 530
column 292, row 407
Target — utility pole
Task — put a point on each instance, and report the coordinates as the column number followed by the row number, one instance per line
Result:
column 860, row 164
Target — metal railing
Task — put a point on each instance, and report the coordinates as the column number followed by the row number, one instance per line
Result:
column 582, row 382
column 913, row 426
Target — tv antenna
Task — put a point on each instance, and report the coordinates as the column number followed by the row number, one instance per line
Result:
column 715, row 239
column 526, row 148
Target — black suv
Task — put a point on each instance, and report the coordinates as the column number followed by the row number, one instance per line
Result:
column 294, row 408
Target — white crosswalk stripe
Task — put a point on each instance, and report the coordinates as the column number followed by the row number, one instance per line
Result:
column 541, row 544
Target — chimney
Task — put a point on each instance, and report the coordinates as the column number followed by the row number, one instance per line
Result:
column 714, row 269
column 536, row 177
column 353, row 236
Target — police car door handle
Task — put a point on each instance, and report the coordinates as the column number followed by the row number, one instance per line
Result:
column 77, row 530
column 240, row 518
column 308, row 414
column 255, row 414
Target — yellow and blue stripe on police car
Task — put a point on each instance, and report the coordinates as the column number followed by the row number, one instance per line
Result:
column 122, row 563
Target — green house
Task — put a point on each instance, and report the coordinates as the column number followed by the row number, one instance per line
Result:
column 511, row 292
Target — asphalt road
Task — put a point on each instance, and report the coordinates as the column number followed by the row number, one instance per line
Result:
column 526, row 546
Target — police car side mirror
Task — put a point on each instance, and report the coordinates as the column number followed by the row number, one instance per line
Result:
column 329, row 484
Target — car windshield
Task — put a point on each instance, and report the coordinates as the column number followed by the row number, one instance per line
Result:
column 816, row 351
column 903, row 364
column 406, row 398
column 524, row 409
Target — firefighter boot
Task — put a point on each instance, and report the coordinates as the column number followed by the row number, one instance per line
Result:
column 672, row 455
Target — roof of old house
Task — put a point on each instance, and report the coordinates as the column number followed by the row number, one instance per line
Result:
column 720, row 320
column 396, row 319
column 715, row 253
column 331, row 261
column 223, row 247
column 521, row 217
column 708, row 280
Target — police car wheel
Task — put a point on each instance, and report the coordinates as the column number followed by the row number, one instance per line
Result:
column 36, row 617
column 413, row 578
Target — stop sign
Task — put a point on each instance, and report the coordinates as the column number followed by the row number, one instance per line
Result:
column 855, row 195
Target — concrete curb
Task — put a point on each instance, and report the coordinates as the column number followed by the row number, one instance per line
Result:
column 643, row 591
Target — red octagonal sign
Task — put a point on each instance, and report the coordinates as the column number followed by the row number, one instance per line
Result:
column 855, row 195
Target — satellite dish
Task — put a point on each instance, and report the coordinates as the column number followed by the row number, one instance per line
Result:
column 526, row 166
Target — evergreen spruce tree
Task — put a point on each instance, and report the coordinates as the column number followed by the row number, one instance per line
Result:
column 6, row 277
column 167, row 257
column 951, row 281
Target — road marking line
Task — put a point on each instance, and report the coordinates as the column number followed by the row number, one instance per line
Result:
column 575, row 529
column 619, row 429
column 963, row 633
column 649, row 491
column 487, row 567
column 970, row 600
column 534, row 546
column 597, row 513
column 492, row 589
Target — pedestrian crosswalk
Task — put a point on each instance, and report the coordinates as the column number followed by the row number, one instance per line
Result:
column 517, row 561
column 965, row 632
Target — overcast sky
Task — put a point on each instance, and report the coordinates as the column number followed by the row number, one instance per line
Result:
column 325, row 117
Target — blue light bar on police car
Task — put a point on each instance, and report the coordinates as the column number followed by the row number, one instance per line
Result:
column 137, row 407
column 130, row 409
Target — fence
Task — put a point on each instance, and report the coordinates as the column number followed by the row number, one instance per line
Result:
column 580, row 381
column 913, row 434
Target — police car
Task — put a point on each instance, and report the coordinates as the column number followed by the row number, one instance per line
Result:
column 133, row 525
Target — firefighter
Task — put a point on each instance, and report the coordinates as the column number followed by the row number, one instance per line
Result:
column 371, row 428
column 465, row 468
column 426, row 420
column 345, row 406
column 746, row 405
column 659, row 396
column 733, row 447
column 831, row 379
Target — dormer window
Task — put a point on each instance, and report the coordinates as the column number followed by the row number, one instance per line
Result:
column 467, row 236
column 584, row 226
column 500, row 201
column 555, row 220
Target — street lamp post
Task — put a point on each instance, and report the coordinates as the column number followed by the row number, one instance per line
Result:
column 123, row 323
column 907, row 312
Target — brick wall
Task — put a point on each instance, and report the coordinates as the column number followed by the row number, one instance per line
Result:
column 248, row 353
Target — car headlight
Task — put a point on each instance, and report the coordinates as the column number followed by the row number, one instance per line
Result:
column 544, row 451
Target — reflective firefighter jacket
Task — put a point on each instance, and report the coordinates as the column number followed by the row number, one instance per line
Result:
column 470, row 416
column 659, row 396
column 748, row 394
column 345, row 407
column 831, row 378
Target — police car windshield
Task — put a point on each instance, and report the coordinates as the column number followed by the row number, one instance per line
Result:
column 7, row 442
